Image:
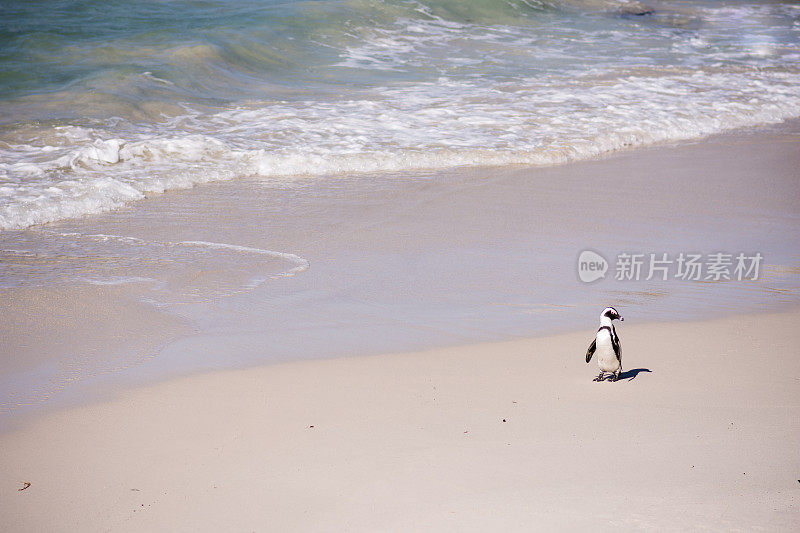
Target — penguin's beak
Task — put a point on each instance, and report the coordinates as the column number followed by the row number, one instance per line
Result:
column 621, row 319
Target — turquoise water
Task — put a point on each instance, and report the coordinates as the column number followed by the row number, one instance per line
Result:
column 103, row 102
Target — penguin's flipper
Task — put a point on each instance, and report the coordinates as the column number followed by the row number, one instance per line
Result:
column 617, row 345
column 590, row 351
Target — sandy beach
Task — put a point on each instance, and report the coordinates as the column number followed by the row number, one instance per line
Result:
column 334, row 266
column 205, row 403
column 701, row 433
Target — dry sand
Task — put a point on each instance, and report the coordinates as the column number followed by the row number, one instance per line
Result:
column 703, row 433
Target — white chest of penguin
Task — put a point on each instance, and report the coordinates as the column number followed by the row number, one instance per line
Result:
column 606, row 358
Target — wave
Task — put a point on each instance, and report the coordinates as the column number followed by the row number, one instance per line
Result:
column 169, row 272
column 72, row 63
column 420, row 127
column 143, row 104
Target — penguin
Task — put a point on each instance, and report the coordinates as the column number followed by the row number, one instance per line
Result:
column 607, row 346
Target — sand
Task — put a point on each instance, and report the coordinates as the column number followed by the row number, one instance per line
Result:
column 483, row 416
column 55, row 336
column 702, row 432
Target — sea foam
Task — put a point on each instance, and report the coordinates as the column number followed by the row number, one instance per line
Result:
column 390, row 88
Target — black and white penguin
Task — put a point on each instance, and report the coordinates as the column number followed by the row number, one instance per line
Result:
column 607, row 346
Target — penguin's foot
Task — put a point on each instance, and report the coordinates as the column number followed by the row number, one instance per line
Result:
column 599, row 378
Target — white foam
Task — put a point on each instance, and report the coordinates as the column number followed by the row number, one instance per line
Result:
column 175, row 272
column 301, row 263
column 103, row 151
column 49, row 173
column 117, row 280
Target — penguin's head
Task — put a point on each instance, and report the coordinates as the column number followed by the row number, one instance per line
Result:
column 611, row 313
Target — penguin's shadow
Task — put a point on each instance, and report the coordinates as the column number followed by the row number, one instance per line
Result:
column 631, row 374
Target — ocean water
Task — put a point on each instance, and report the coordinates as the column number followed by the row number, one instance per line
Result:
column 103, row 102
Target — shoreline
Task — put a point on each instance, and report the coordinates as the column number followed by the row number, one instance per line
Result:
column 399, row 263
column 513, row 435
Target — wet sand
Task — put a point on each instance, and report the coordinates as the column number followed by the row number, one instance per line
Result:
column 379, row 264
